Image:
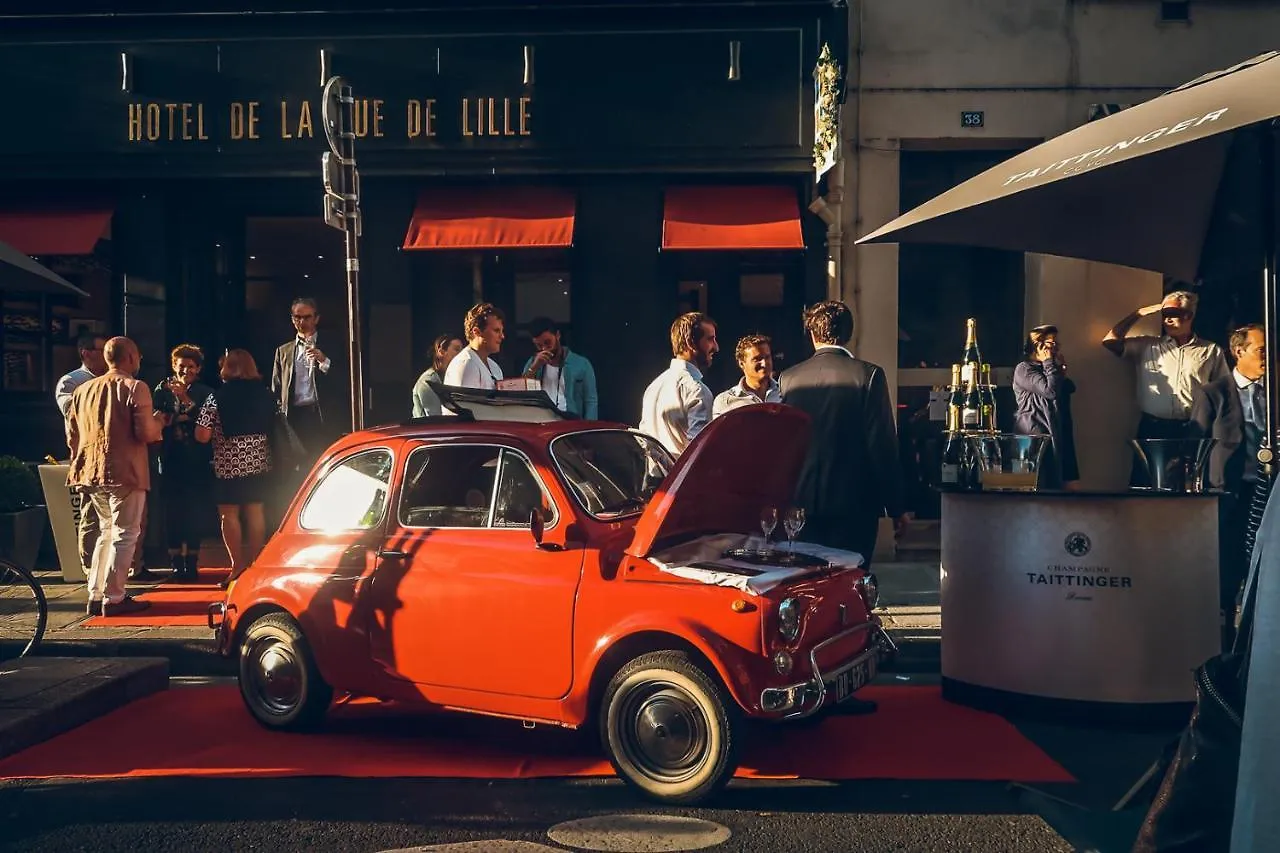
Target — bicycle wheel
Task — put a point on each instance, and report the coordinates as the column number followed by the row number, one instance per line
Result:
column 23, row 611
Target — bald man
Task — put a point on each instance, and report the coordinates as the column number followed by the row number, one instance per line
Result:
column 110, row 422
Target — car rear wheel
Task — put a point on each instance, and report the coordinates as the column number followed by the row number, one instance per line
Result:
column 669, row 728
column 279, row 681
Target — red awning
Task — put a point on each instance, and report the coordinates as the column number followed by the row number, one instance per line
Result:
column 54, row 231
column 727, row 218
column 492, row 218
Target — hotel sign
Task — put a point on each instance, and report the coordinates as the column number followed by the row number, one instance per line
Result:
column 297, row 119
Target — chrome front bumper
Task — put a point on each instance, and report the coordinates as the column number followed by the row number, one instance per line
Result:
column 216, row 614
column 805, row 698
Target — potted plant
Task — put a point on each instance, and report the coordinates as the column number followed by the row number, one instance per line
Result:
column 22, row 515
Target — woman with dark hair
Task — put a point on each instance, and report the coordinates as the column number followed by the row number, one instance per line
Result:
column 425, row 401
column 1042, row 393
column 184, row 462
column 239, row 418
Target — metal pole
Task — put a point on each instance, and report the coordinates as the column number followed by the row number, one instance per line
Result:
column 342, row 210
column 1267, row 184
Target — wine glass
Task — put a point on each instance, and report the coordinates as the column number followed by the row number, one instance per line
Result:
column 793, row 522
column 768, row 521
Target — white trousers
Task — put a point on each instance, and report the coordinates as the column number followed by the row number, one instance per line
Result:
column 119, row 514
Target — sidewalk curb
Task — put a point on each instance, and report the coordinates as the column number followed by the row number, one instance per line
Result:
column 41, row 697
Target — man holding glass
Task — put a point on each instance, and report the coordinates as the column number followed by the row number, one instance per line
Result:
column 300, row 379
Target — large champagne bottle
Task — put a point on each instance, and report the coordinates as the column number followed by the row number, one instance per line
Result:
column 972, row 355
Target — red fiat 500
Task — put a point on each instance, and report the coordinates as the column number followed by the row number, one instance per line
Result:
column 561, row 572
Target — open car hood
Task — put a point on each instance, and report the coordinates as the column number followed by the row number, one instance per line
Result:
column 744, row 461
column 530, row 407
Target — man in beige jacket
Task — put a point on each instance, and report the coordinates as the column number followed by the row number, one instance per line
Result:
column 109, row 424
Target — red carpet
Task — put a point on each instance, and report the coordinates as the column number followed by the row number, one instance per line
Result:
column 172, row 604
column 206, row 731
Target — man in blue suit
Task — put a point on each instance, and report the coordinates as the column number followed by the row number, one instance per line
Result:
column 1231, row 410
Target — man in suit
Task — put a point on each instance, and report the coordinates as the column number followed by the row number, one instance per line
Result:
column 304, row 381
column 1232, row 409
column 851, row 476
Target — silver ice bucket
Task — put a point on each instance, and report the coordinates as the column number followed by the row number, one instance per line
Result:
column 1175, row 464
column 1008, row 461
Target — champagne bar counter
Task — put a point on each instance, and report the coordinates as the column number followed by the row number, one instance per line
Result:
column 1055, row 598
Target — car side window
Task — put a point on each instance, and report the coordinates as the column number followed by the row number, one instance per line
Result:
column 449, row 486
column 519, row 493
column 352, row 495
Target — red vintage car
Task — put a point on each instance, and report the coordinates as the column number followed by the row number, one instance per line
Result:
column 561, row 572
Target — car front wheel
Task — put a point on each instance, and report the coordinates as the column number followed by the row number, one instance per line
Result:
column 279, row 681
column 669, row 728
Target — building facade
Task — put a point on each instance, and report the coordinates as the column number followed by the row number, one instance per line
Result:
column 607, row 165
column 940, row 90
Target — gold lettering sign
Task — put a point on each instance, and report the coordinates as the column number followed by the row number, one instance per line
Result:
column 169, row 121
column 483, row 117
column 421, row 117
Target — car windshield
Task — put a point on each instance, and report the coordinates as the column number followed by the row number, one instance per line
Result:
column 611, row 472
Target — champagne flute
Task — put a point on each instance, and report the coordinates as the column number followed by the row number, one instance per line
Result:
column 768, row 521
column 793, row 522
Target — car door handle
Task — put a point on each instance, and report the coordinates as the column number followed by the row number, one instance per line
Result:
column 392, row 555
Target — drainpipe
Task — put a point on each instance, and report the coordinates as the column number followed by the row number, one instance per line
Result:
column 852, row 144
column 828, row 209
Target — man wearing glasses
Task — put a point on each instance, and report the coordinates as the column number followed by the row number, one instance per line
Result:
column 1170, row 367
column 299, row 379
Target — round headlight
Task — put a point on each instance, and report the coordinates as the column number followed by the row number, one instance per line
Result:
column 869, row 589
column 782, row 662
column 789, row 619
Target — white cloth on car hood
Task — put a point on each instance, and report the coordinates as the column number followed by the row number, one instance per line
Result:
column 702, row 560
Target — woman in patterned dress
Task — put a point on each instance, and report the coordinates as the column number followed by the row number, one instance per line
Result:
column 184, row 462
column 238, row 418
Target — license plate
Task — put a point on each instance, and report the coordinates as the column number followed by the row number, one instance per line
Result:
column 844, row 684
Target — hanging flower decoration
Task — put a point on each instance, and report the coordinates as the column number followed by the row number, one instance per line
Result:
column 826, row 111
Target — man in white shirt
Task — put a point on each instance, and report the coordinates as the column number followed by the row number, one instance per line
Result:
column 93, row 363
column 678, row 404
column 754, row 354
column 1170, row 367
column 474, row 367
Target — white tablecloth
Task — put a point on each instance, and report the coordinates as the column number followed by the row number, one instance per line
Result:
column 694, row 559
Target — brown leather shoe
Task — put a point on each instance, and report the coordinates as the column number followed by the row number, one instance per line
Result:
column 128, row 604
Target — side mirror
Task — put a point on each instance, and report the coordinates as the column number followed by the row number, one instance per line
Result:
column 535, row 525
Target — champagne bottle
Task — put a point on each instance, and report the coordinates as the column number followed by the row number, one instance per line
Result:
column 953, row 462
column 972, row 355
column 986, row 393
column 955, row 402
column 971, row 414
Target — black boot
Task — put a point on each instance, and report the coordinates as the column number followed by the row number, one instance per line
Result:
column 175, row 564
column 191, row 564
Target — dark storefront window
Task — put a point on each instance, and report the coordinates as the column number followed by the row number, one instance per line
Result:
column 144, row 323
column 38, row 339
column 287, row 258
column 745, row 293
column 940, row 286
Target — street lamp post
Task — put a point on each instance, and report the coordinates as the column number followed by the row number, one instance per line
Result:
column 342, row 211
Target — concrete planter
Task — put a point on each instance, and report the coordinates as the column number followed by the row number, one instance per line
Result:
column 20, row 535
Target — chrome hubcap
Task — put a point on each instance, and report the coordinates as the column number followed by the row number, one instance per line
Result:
column 277, row 677
column 664, row 732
